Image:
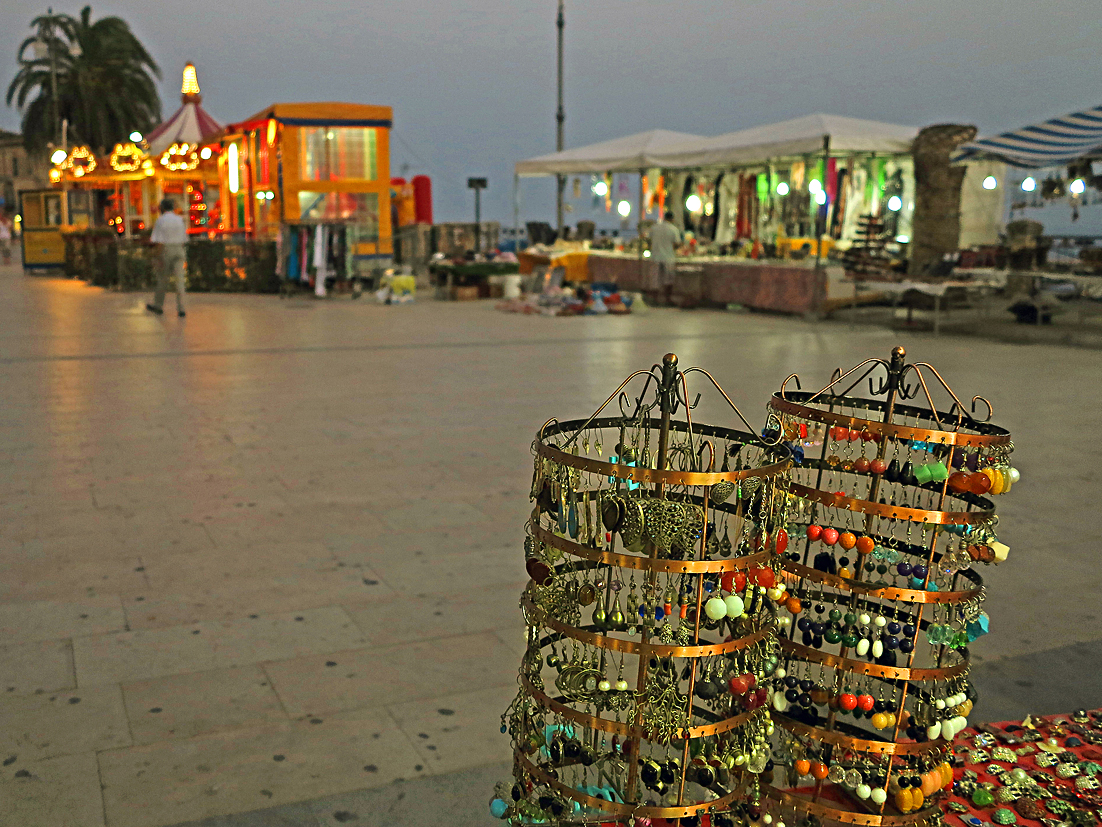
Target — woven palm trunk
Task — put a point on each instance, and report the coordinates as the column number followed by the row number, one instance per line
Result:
column 936, row 229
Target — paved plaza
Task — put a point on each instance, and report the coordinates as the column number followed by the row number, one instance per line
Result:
column 268, row 556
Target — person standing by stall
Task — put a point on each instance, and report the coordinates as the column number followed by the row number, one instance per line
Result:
column 664, row 240
column 170, row 237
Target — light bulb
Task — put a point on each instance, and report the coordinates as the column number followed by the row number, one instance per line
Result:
column 820, row 197
column 1078, row 186
column 1029, row 184
column 814, row 186
column 600, row 189
column 624, row 208
column 58, row 156
column 136, row 136
column 205, row 153
column 782, row 188
column 990, row 182
column 895, row 203
column 692, row 203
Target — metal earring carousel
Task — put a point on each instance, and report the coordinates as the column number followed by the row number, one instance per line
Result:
column 654, row 552
column 887, row 523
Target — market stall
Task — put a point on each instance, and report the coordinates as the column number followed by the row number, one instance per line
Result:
column 316, row 178
column 786, row 192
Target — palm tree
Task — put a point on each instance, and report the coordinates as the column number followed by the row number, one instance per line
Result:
column 97, row 75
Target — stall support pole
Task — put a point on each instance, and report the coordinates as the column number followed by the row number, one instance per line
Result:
column 639, row 224
column 516, row 213
column 819, row 230
column 820, row 276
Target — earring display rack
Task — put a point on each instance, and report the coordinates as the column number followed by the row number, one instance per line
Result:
column 653, row 549
column 886, row 524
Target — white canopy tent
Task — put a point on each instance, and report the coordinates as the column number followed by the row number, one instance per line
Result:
column 808, row 135
column 628, row 154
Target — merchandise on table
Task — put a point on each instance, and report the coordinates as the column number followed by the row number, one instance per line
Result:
column 652, row 549
column 1038, row 772
column 887, row 520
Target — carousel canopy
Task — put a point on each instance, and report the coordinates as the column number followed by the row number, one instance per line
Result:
column 190, row 123
column 628, row 154
column 799, row 136
column 1053, row 143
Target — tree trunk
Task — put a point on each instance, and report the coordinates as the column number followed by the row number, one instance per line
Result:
column 936, row 228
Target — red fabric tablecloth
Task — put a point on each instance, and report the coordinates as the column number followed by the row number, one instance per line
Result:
column 1057, row 727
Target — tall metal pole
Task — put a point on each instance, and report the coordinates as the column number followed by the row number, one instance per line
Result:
column 560, row 118
column 53, row 70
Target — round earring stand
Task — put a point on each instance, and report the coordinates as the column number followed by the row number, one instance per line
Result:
column 654, row 551
column 886, row 522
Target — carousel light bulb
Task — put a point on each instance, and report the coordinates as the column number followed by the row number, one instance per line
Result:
column 59, row 156
column 624, row 209
column 205, row 153
column 990, row 182
column 814, row 186
column 782, row 188
column 895, row 203
column 1029, row 184
column 692, row 203
column 600, row 189
column 646, row 254
column 136, row 136
column 1078, row 186
column 820, row 197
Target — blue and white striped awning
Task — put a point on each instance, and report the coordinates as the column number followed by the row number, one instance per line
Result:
column 1052, row 143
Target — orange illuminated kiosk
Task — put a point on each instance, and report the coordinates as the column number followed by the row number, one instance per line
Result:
column 295, row 166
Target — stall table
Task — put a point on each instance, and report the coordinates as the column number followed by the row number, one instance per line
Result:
column 782, row 287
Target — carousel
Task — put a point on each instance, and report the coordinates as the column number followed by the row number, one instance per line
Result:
column 122, row 189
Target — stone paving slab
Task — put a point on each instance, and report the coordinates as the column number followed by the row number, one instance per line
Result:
column 197, row 703
column 251, row 767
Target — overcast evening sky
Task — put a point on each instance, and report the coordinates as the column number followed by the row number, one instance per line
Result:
column 473, row 84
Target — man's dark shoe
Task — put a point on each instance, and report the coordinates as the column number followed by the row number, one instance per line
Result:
column 153, row 309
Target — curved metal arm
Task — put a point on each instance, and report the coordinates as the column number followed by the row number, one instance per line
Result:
column 597, row 412
column 734, row 407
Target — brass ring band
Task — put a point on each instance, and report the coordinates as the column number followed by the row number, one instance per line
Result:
column 856, row 744
column 943, row 437
column 630, row 730
column 633, row 647
column 634, row 561
column 616, row 807
column 637, row 474
column 835, row 814
column 871, row 669
column 883, row 592
column 895, row 512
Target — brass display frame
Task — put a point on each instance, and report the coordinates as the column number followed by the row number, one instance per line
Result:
column 698, row 474
column 985, row 437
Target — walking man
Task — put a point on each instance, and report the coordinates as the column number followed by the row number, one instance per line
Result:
column 170, row 238
column 664, row 239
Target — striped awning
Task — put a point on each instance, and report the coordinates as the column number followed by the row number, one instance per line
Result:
column 1049, row 144
column 189, row 124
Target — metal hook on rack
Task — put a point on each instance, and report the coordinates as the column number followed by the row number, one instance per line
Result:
column 750, row 428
